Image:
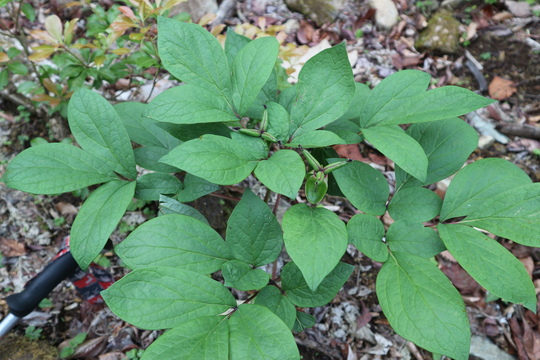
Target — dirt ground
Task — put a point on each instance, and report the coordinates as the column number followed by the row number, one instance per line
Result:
column 352, row 326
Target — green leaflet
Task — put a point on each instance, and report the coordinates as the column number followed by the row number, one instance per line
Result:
column 256, row 146
column 365, row 187
column 189, row 104
column 401, row 99
column 143, row 130
column 422, row 305
column 483, row 258
column 393, row 142
column 55, row 168
column 253, row 232
column 257, row 333
column 347, row 130
column 194, row 188
column 282, row 173
column 169, row 205
column 148, row 157
column 313, row 139
column 413, row 238
column 479, row 182
column 324, row 91
column 447, row 144
column 203, row 338
column 415, row 203
column 185, row 132
column 513, row 214
column 193, row 55
column 214, row 158
column 164, row 297
column 233, row 44
column 175, row 240
column 251, row 69
column 300, row 294
column 152, row 185
column 242, row 276
column 366, row 233
column 98, row 129
column 271, row 297
column 97, row 219
column 278, row 121
column 361, row 94
column 315, row 239
column 391, row 93
column 303, row 321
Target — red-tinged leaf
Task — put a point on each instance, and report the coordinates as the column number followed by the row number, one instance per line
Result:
column 85, row 46
column 3, row 57
column 42, row 97
column 122, row 23
column 43, row 35
column 128, row 12
column 50, row 86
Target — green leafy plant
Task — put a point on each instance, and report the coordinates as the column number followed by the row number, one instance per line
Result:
column 229, row 120
column 69, row 350
column 33, row 333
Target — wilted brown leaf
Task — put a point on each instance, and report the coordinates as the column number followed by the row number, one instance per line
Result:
column 10, row 247
column 501, row 89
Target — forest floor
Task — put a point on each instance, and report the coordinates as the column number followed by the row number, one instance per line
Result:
column 500, row 43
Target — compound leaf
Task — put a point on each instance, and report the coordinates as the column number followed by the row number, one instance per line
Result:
column 413, row 238
column 193, row 55
column 365, row 187
column 152, row 185
column 169, row 205
column 158, row 297
column 422, row 305
column 271, row 297
column 415, row 203
column 143, row 130
column 194, row 188
column 282, row 173
column 55, row 168
column 479, row 182
column 250, row 70
column 97, row 219
column 324, row 91
column 366, row 233
column 99, row 130
column 489, row 263
column 406, row 152
column 253, row 232
column 189, row 104
column 309, row 233
column 242, row 276
column 298, row 291
column 513, row 214
column 447, row 144
column 201, row 338
column 257, row 333
column 175, row 240
column 214, row 158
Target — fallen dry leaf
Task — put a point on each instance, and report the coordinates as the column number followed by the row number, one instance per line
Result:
column 10, row 248
column 501, row 89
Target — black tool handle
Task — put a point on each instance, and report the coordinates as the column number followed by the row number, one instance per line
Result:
column 41, row 285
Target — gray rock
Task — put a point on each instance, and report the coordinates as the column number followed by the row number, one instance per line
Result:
column 441, row 34
column 196, row 8
column 386, row 13
column 518, row 8
column 320, row 11
column 484, row 349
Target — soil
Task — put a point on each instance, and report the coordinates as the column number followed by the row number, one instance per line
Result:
column 352, row 326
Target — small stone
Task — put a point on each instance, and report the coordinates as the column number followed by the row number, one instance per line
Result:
column 386, row 13
column 519, row 8
column 320, row 11
column 485, row 141
column 441, row 34
column 484, row 349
